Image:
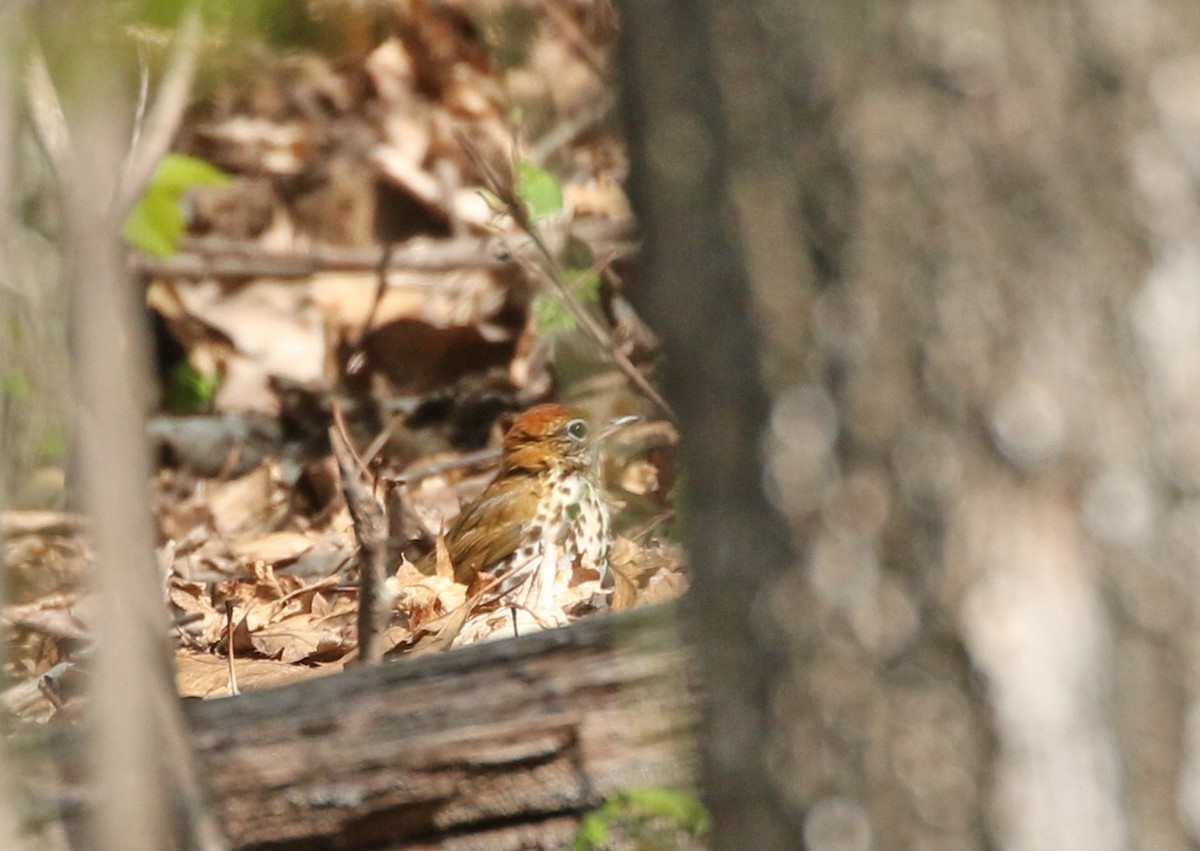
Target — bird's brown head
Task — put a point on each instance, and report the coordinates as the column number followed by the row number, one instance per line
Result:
column 549, row 436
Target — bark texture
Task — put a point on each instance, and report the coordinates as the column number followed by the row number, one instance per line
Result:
column 966, row 233
column 497, row 746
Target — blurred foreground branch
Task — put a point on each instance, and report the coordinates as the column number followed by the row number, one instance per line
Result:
column 146, row 792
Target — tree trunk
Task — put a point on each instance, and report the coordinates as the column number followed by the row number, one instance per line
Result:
column 966, row 234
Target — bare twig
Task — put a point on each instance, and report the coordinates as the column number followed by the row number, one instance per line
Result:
column 370, row 527
column 214, row 257
column 381, row 272
column 153, row 139
column 277, row 607
column 568, row 28
column 343, row 433
column 149, row 798
column 233, row 685
column 381, row 440
column 419, row 472
column 551, row 270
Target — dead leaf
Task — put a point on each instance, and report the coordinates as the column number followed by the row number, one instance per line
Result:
column 207, row 675
column 301, row 639
column 275, row 548
column 445, row 567
column 623, row 562
column 246, row 505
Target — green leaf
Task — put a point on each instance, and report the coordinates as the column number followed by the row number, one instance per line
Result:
column 190, row 391
column 593, row 831
column 584, row 284
column 539, row 190
column 551, row 316
column 156, row 223
column 178, row 173
column 633, row 810
column 683, row 809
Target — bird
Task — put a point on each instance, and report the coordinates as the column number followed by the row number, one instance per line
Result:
column 544, row 514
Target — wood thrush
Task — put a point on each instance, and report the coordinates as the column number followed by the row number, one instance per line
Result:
column 543, row 515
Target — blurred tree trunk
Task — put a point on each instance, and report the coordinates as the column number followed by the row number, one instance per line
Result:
column 940, row 263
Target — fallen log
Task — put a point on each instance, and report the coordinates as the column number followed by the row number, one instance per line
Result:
column 500, row 746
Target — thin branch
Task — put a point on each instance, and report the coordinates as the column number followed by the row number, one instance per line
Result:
column 568, row 28
column 153, row 140
column 143, row 99
column 234, row 691
column 552, row 271
column 419, row 472
column 566, row 132
column 215, row 257
column 46, row 115
column 371, row 529
column 385, row 261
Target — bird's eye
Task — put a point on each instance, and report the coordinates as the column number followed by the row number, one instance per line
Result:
column 577, row 429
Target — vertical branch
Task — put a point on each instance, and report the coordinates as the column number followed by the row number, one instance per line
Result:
column 152, row 140
column 371, row 528
column 8, row 140
column 148, row 792
column 109, row 368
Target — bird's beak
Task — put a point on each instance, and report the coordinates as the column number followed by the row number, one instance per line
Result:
column 615, row 425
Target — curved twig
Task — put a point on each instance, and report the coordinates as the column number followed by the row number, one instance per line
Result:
column 153, row 139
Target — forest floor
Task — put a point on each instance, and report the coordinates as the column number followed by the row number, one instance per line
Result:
column 358, row 254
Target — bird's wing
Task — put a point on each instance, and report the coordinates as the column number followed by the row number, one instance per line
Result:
column 489, row 530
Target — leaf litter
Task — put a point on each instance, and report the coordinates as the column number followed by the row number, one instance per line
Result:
column 329, row 157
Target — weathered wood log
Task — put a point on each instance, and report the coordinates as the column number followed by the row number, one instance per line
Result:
column 496, row 746
column 499, row 746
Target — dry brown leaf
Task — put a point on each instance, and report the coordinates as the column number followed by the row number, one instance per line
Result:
column 36, row 565
column 301, row 639
column 16, row 524
column 274, row 331
column 345, row 299
column 664, row 586
column 275, row 548
column 207, row 675
column 245, row 505
column 627, row 570
column 603, row 198
column 639, row 478
column 332, row 554
column 395, row 636
column 444, row 567
column 439, row 634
